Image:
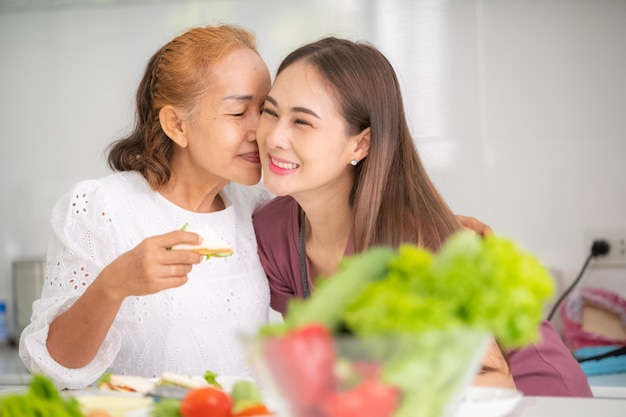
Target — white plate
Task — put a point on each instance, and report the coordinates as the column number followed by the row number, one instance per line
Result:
column 227, row 381
column 487, row 402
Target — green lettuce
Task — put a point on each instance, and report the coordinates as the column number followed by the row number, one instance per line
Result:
column 41, row 399
column 487, row 284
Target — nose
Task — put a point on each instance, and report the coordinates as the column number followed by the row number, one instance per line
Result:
column 253, row 125
column 273, row 135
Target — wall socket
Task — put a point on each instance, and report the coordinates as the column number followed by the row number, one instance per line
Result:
column 616, row 239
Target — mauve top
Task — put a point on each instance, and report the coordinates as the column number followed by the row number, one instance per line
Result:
column 546, row 368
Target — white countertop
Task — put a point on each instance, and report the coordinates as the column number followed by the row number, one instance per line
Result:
column 609, row 392
column 608, row 386
column 570, row 407
column 527, row 407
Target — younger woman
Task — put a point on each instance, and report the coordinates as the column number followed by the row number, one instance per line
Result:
column 335, row 144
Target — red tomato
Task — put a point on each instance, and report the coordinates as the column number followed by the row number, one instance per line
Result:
column 204, row 402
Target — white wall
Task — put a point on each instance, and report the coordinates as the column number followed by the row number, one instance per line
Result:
column 518, row 107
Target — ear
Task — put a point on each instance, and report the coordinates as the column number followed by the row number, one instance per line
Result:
column 172, row 125
column 362, row 144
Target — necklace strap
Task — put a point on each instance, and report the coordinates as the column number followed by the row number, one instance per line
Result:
column 303, row 274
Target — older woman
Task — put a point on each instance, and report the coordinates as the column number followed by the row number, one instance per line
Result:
column 113, row 297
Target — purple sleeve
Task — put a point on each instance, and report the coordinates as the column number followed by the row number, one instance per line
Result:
column 548, row 368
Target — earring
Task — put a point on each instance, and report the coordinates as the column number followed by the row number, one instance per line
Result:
column 353, row 162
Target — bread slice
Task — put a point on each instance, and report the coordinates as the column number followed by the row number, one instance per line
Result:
column 181, row 380
column 212, row 244
column 125, row 383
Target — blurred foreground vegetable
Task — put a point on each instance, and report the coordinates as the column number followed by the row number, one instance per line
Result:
column 417, row 322
column 41, row 399
column 486, row 284
column 244, row 400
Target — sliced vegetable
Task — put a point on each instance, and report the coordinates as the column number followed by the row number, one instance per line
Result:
column 211, row 378
column 125, row 383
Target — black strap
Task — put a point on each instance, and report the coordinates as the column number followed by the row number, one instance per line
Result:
column 303, row 274
column 614, row 352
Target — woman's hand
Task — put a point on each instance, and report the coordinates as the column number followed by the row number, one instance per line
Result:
column 76, row 335
column 151, row 266
column 474, row 224
column 495, row 371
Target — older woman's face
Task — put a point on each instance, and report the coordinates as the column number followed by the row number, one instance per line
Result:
column 222, row 135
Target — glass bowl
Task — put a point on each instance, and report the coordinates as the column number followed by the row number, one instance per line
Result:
column 311, row 373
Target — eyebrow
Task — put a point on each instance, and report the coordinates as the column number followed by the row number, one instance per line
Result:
column 238, row 97
column 294, row 109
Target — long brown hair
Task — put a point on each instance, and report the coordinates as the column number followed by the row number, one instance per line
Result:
column 175, row 75
column 393, row 198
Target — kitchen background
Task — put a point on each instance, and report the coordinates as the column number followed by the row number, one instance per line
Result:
column 518, row 107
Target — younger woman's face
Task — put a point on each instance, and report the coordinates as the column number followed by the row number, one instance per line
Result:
column 303, row 141
column 221, row 136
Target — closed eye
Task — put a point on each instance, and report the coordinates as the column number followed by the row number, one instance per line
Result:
column 302, row 122
column 269, row 112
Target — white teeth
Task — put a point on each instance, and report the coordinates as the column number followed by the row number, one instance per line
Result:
column 284, row 165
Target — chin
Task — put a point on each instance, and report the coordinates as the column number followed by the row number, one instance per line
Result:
column 273, row 188
column 249, row 180
column 251, row 177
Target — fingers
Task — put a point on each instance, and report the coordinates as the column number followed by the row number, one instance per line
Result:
column 176, row 237
column 154, row 276
column 151, row 267
column 474, row 224
column 172, row 257
column 173, row 282
column 162, row 244
column 172, row 265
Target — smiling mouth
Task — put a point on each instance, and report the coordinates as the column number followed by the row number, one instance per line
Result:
column 251, row 157
column 284, row 165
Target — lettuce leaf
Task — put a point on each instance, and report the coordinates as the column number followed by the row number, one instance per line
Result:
column 487, row 284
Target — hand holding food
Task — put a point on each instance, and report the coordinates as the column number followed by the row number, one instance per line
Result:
column 150, row 267
column 162, row 262
column 211, row 244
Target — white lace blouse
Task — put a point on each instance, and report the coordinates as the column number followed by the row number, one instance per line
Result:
column 190, row 329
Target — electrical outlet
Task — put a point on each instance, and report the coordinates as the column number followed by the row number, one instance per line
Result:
column 617, row 242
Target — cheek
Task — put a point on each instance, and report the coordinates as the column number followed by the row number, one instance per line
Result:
column 263, row 129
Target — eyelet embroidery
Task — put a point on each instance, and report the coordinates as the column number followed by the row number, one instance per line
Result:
column 79, row 278
column 80, row 205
